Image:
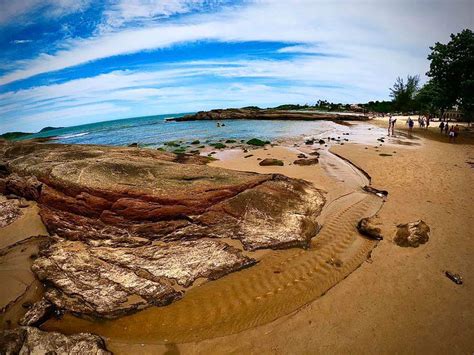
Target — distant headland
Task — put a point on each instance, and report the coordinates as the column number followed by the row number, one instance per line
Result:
column 256, row 113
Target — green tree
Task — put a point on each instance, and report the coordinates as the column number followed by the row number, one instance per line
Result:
column 451, row 72
column 429, row 99
column 403, row 93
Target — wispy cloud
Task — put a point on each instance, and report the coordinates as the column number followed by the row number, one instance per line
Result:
column 21, row 41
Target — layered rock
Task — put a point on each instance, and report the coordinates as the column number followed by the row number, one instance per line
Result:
column 29, row 340
column 135, row 227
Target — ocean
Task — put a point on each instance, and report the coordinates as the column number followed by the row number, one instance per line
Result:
column 154, row 131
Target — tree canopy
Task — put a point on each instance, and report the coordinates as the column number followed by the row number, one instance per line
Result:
column 403, row 94
column 452, row 74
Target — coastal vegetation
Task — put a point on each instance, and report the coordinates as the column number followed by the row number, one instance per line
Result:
column 450, row 84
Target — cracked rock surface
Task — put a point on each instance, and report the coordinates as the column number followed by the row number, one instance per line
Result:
column 135, row 227
column 9, row 212
column 109, row 282
column 29, row 340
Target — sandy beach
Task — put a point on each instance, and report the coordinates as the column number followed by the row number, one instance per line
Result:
column 399, row 300
column 393, row 299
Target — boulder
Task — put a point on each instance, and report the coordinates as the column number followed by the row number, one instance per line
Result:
column 311, row 161
column 29, row 340
column 321, row 141
column 37, row 314
column 271, row 162
column 412, row 234
column 133, row 145
column 368, row 228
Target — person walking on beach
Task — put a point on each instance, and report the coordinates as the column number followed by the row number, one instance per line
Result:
column 441, row 127
column 427, row 121
column 411, row 123
column 456, row 132
column 451, row 135
column 389, row 125
column 446, row 128
column 394, row 120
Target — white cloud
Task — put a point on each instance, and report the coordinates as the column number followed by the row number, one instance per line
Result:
column 187, row 87
column 338, row 25
column 14, row 10
column 127, row 11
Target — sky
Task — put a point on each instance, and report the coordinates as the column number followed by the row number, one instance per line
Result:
column 70, row 62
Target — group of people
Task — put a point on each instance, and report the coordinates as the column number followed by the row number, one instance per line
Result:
column 452, row 131
column 424, row 122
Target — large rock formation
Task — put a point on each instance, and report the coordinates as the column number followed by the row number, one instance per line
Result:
column 29, row 340
column 136, row 227
column 269, row 114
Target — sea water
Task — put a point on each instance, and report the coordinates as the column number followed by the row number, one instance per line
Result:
column 154, row 131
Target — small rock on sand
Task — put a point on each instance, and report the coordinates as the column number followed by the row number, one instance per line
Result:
column 367, row 227
column 305, row 162
column 37, row 313
column 412, row 234
column 9, row 212
column 271, row 162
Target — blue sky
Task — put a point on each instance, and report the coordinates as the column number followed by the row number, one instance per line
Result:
column 69, row 62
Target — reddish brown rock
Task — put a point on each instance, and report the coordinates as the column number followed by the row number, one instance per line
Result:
column 126, row 217
column 28, row 187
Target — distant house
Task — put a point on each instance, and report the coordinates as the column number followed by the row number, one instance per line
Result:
column 453, row 114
